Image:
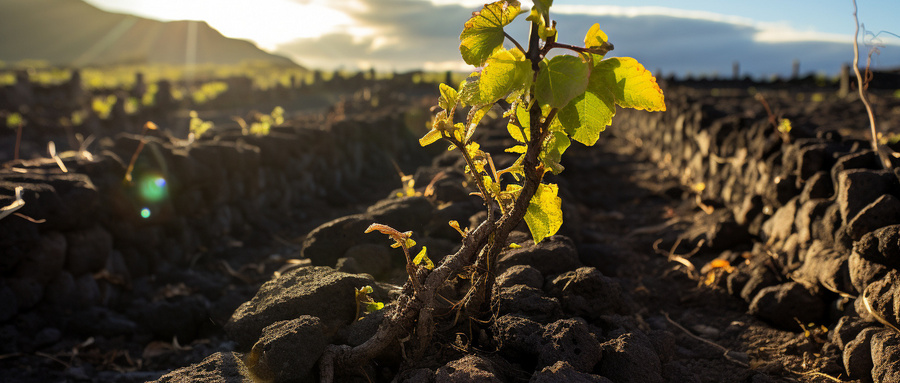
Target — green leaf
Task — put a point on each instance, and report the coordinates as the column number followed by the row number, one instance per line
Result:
column 449, row 97
column 483, row 32
column 423, row 257
column 561, row 79
column 631, row 84
column 585, row 117
column 544, row 214
column 505, row 72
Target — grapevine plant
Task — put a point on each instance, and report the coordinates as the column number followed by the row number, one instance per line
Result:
column 551, row 101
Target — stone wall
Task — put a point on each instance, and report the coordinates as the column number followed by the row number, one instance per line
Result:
column 824, row 213
column 84, row 235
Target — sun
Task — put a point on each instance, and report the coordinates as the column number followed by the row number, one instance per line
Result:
column 268, row 23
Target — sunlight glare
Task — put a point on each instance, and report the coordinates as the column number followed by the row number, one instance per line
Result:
column 268, row 23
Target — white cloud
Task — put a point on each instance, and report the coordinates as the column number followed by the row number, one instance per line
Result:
column 419, row 34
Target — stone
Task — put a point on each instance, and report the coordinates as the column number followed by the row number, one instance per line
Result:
column 809, row 212
column 760, row 277
column 46, row 337
column 46, row 260
column 19, row 236
column 882, row 297
column 864, row 272
column 718, row 231
column 371, row 258
column 857, row 188
column 781, row 304
column 288, row 350
column 846, row 330
column 64, row 200
column 630, row 358
column 818, row 186
column 521, row 299
column 330, row 241
column 857, row 355
column 862, row 159
column 9, row 306
column 28, row 292
column 521, row 275
column 588, row 293
column 824, row 266
column 781, row 225
column 569, row 340
column 180, row 317
column 553, row 255
column 883, row 212
column 881, row 246
column 61, row 291
column 88, row 250
column 518, row 336
column 563, row 372
column 87, row 292
column 406, row 213
column 885, row 348
column 315, row 290
column 419, row 375
column 470, row 368
column 101, row 321
column 221, row 367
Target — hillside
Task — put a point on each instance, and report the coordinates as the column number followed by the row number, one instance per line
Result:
column 72, row 32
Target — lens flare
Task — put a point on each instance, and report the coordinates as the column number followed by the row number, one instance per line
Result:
column 153, row 188
column 145, row 213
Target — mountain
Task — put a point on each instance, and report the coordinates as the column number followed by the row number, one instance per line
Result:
column 74, row 33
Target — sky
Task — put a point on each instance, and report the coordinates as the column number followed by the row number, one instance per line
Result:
column 687, row 37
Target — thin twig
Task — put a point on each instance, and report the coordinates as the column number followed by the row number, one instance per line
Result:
column 514, row 41
column 877, row 316
column 816, row 374
column 862, row 93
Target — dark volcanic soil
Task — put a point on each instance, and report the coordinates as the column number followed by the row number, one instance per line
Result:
column 681, row 277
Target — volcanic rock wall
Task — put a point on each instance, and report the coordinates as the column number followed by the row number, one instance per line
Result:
column 823, row 210
column 84, row 235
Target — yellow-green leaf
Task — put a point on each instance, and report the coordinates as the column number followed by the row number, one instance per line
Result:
column 423, row 257
column 431, row 137
column 516, row 149
column 520, row 131
column 449, row 97
column 373, row 306
column 551, row 155
column 544, row 214
column 585, row 117
column 504, row 71
column 13, row 120
column 473, row 118
column 597, row 43
column 543, row 6
column 561, row 79
column 483, row 32
column 631, row 84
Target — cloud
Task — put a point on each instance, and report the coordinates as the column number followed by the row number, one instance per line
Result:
column 411, row 34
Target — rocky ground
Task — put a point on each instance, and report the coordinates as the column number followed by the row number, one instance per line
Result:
column 654, row 277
